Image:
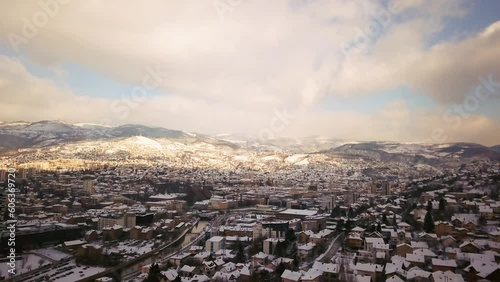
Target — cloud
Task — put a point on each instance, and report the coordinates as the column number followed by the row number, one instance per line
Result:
column 229, row 75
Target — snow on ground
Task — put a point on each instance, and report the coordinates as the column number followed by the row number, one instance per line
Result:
column 302, row 162
column 51, row 253
column 132, row 248
column 140, row 141
column 241, row 158
column 271, row 158
column 295, row 158
column 27, row 263
column 66, row 272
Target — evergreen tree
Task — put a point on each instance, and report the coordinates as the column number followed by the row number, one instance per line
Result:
column 442, row 205
column 290, row 235
column 340, row 225
column 379, row 227
column 429, row 206
column 384, row 219
column 428, row 223
column 240, row 252
column 394, row 221
column 154, row 274
column 280, row 269
column 348, row 225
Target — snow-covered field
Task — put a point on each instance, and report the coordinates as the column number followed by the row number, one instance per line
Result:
column 51, row 253
column 27, row 263
column 66, row 272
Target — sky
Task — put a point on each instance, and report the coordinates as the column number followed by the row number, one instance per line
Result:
column 390, row 70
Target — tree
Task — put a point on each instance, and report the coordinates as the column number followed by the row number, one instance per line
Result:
column 256, row 246
column 429, row 206
column 350, row 213
column 428, row 223
column 240, row 252
column 154, row 274
column 482, row 220
column 442, row 205
column 280, row 269
column 384, row 219
column 340, row 225
column 290, row 235
column 348, row 225
column 379, row 227
column 280, row 249
column 335, row 211
column 394, row 222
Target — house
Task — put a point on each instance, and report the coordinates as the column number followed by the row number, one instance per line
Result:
column 330, row 271
column 370, row 241
column 471, row 226
column 354, row 241
column 179, row 259
column 363, row 278
column 170, row 275
column 480, row 270
column 303, row 236
column 305, row 250
column 448, row 241
column 403, row 249
column 428, row 254
column 290, row 276
column 486, row 212
column 443, row 265
column 367, row 269
column 91, row 235
column 494, row 235
column 187, row 271
column 443, row 228
column 440, row 276
column 359, row 230
column 73, row 245
column 415, row 260
column 470, row 247
column 261, row 258
column 312, row 275
column 244, row 274
column 417, row 274
column 404, row 226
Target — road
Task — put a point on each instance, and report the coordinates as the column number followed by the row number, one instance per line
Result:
column 332, row 250
column 131, row 277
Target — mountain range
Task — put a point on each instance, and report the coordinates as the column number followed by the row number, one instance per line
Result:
column 98, row 141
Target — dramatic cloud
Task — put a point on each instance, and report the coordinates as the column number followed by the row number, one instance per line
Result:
column 231, row 69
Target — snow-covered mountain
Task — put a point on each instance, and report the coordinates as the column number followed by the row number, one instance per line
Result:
column 16, row 135
column 417, row 152
column 49, row 140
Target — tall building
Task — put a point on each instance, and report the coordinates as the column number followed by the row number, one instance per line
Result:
column 350, row 197
column 129, row 220
column 387, row 188
column 215, row 244
column 3, row 175
column 372, row 189
column 88, row 186
column 22, row 173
